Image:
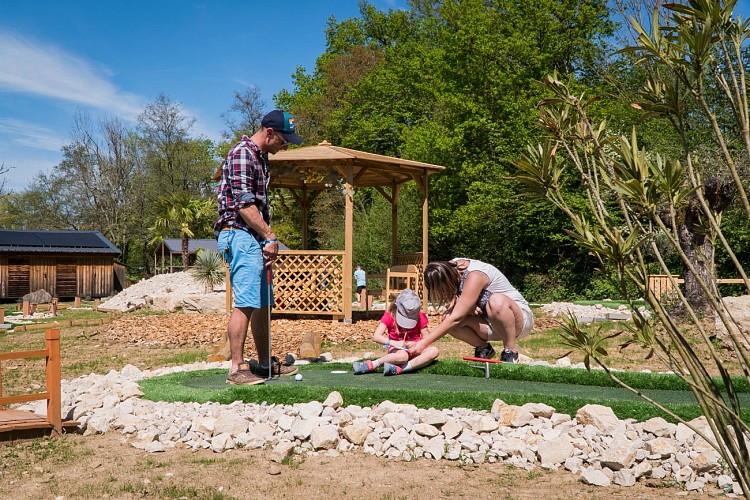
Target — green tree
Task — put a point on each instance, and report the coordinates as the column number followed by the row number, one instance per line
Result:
column 454, row 84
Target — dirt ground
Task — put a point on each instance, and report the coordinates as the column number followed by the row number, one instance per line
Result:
column 102, row 467
column 76, row 466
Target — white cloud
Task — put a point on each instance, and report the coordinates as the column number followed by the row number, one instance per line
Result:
column 30, row 134
column 35, row 68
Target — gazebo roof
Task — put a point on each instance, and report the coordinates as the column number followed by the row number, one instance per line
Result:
column 318, row 167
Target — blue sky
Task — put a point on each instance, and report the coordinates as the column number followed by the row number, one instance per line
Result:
column 111, row 57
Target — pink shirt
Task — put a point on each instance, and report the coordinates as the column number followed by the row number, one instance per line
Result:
column 395, row 332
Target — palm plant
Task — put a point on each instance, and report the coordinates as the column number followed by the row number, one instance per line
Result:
column 183, row 214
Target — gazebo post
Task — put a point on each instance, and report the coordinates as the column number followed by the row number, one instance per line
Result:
column 395, row 189
column 305, row 208
column 422, row 182
column 348, row 240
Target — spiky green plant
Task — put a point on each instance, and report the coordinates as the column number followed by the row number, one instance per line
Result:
column 208, row 269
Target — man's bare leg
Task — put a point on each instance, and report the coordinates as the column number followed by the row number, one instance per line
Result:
column 259, row 326
column 237, row 333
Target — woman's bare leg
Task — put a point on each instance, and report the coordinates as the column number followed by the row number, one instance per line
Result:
column 506, row 319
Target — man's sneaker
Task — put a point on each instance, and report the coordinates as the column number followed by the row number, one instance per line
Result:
column 509, row 356
column 277, row 369
column 362, row 367
column 486, row 352
column 243, row 376
column 391, row 369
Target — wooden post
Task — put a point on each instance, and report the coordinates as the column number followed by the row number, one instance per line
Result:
column 425, row 235
column 26, row 308
column 2, row 315
column 77, row 301
column 97, row 302
column 54, row 409
column 348, row 241
column 305, row 208
column 54, row 306
column 394, row 221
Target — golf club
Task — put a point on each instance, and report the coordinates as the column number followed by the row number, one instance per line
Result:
column 268, row 297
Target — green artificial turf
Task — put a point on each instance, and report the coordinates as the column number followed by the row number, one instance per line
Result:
column 446, row 384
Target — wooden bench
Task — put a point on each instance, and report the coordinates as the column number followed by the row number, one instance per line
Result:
column 18, row 420
column 398, row 278
column 485, row 364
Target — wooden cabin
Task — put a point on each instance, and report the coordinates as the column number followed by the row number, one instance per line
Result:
column 65, row 263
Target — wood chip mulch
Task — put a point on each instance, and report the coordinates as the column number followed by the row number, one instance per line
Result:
column 195, row 330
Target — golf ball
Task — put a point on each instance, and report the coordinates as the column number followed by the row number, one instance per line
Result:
column 298, row 377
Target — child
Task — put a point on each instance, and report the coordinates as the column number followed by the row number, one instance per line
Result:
column 400, row 329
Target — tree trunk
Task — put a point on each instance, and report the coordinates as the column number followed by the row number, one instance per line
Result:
column 185, row 253
column 699, row 249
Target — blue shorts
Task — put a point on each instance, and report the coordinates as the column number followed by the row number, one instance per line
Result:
column 243, row 254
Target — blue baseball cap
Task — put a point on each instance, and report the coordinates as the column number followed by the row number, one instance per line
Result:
column 282, row 122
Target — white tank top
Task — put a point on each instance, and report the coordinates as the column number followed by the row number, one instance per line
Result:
column 498, row 282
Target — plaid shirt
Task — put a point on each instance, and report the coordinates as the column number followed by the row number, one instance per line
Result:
column 244, row 181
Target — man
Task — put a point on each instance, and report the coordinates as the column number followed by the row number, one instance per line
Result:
column 361, row 278
column 248, row 243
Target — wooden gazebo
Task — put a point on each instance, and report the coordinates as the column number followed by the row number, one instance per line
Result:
column 319, row 282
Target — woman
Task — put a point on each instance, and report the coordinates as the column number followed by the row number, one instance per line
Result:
column 482, row 306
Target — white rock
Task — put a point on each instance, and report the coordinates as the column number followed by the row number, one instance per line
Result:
column 601, row 417
column 334, row 400
column 555, row 451
column 324, row 437
column 356, row 433
column 594, row 477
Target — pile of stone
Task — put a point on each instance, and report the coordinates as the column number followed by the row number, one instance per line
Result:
column 589, row 314
column 597, row 446
column 167, row 292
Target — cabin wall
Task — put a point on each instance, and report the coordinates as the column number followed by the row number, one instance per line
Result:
column 64, row 275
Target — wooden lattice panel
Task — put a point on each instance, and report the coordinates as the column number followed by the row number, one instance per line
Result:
column 309, row 282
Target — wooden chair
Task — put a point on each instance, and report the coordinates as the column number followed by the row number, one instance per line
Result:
column 398, row 278
column 17, row 420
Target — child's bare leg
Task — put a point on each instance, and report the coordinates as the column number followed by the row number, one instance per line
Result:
column 428, row 356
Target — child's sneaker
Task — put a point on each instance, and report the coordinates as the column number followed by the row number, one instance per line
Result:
column 486, row 352
column 391, row 369
column 361, row 367
column 509, row 356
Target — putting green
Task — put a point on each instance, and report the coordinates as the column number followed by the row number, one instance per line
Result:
column 451, row 384
column 447, row 383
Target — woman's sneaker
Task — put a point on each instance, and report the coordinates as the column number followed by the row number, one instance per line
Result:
column 509, row 356
column 486, row 352
column 362, row 367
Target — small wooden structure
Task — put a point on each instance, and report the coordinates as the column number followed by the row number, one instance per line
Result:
column 17, row 420
column 173, row 246
column 320, row 282
column 65, row 263
column 661, row 285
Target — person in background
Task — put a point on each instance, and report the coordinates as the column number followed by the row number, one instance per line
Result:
column 399, row 330
column 482, row 306
column 248, row 243
column 361, row 278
